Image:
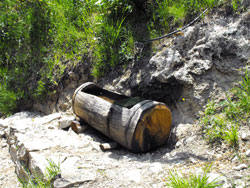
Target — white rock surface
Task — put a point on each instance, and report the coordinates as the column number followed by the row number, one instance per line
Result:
column 245, row 136
column 219, row 179
column 248, row 153
column 240, row 167
column 134, row 175
column 65, row 122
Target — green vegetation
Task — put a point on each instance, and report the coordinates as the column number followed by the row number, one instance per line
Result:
column 52, row 170
column 41, row 38
column 221, row 121
column 192, row 180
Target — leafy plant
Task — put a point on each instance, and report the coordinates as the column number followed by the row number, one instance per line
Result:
column 7, row 100
column 210, row 108
column 236, row 4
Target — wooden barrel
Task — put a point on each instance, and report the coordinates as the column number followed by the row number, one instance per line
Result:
column 139, row 125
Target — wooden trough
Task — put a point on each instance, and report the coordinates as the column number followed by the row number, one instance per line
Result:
column 137, row 124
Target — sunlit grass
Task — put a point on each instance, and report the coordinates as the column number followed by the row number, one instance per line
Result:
column 35, row 181
column 192, row 180
column 221, row 121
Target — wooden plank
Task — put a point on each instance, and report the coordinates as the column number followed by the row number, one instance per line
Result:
column 77, row 127
column 108, row 146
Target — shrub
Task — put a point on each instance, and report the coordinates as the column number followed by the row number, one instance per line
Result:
column 7, row 101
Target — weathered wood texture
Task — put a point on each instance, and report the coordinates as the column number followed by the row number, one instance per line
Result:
column 77, row 127
column 140, row 128
column 108, row 146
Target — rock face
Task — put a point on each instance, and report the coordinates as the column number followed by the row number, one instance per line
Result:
column 190, row 69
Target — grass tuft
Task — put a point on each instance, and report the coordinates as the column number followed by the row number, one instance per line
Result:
column 192, row 181
column 35, row 181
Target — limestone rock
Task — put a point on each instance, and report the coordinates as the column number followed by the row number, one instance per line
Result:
column 47, row 119
column 248, row 153
column 32, row 143
column 37, row 164
column 74, row 179
column 65, row 122
column 240, row 167
column 219, row 179
column 2, row 134
column 245, row 136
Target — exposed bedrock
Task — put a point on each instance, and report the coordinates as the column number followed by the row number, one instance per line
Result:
column 191, row 68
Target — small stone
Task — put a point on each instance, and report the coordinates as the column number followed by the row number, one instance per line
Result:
column 62, row 183
column 218, row 156
column 2, row 134
column 240, row 167
column 248, row 153
column 239, row 183
column 235, row 159
column 218, row 178
column 192, row 160
column 238, row 176
column 178, row 144
column 4, row 145
column 65, row 122
column 37, row 163
column 73, row 176
column 245, row 136
column 95, row 146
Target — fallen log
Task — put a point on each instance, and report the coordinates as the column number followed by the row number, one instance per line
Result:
column 139, row 125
